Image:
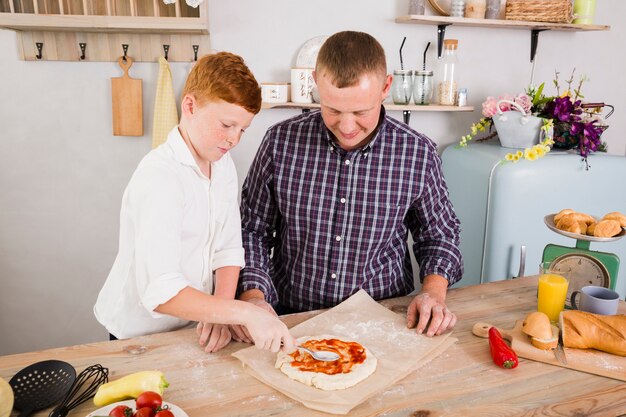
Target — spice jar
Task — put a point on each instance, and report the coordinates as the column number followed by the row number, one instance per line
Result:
column 447, row 77
column 402, row 86
column 423, row 87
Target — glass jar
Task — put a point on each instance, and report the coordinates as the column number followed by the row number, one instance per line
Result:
column 493, row 9
column 423, row 87
column 402, row 86
column 447, row 85
column 457, row 8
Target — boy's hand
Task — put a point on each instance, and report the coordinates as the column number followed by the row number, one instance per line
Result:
column 240, row 333
column 213, row 336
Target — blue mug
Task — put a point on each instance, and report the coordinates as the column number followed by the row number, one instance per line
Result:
column 597, row 300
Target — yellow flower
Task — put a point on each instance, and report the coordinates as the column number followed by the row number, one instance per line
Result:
column 519, row 154
column 530, row 154
column 540, row 150
column 509, row 156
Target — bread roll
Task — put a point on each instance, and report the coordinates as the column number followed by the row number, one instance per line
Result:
column 616, row 215
column 607, row 228
column 537, row 324
column 582, row 330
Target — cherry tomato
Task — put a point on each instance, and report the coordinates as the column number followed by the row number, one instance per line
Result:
column 164, row 413
column 144, row 412
column 121, row 411
column 149, row 399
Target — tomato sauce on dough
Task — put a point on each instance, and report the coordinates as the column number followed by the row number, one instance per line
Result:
column 350, row 354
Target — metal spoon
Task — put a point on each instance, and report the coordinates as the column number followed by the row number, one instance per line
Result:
column 320, row 355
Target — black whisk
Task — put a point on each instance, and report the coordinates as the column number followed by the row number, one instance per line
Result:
column 95, row 375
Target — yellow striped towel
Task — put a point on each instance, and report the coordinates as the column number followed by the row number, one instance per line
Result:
column 165, row 112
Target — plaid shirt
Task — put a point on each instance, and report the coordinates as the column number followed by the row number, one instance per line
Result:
column 338, row 221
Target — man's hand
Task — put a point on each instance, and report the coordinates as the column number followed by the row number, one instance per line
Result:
column 428, row 309
column 257, row 298
column 213, row 336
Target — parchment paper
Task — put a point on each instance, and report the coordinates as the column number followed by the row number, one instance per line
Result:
column 399, row 351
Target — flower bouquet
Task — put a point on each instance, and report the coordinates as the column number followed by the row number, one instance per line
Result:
column 566, row 122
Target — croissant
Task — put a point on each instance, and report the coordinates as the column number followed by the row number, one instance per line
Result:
column 607, row 228
column 616, row 215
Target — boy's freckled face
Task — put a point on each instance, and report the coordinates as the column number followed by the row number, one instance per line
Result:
column 215, row 127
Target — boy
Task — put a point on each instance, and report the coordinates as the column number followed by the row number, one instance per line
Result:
column 180, row 223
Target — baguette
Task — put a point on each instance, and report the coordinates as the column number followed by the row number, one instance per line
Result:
column 582, row 330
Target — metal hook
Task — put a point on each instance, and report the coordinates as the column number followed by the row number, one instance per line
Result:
column 39, row 49
column 125, row 48
column 83, row 46
column 195, row 52
column 166, row 48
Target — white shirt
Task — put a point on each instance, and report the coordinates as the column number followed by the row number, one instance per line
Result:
column 176, row 227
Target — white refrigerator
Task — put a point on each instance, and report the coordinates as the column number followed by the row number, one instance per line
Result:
column 502, row 206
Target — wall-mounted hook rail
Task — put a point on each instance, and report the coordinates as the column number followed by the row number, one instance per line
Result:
column 125, row 48
column 39, row 49
column 166, row 49
column 83, row 47
column 196, row 48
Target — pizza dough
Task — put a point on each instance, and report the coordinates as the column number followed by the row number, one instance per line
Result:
column 355, row 364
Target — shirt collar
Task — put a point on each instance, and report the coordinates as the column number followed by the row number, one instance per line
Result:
column 180, row 150
column 382, row 121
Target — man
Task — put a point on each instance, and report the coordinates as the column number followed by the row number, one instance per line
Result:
column 334, row 193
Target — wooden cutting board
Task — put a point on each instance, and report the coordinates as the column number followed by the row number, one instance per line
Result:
column 126, row 95
column 586, row 360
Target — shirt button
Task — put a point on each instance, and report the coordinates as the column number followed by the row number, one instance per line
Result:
column 343, row 200
column 347, row 162
column 333, row 276
column 338, row 238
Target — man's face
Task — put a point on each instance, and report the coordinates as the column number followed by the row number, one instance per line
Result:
column 352, row 113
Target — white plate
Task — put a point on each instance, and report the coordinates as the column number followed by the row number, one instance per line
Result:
column 104, row 411
column 549, row 221
column 307, row 54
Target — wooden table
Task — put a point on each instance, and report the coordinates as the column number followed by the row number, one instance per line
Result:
column 461, row 382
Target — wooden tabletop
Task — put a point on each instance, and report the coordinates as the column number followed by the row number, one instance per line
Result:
column 461, row 382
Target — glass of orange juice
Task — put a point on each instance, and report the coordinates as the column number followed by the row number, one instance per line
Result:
column 552, row 290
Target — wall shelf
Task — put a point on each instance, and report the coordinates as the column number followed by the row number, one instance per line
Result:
column 535, row 27
column 63, row 29
column 496, row 23
column 405, row 109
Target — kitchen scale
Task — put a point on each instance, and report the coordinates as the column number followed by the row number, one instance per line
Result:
column 587, row 267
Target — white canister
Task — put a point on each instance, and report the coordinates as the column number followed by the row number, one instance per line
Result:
column 302, row 85
column 275, row 92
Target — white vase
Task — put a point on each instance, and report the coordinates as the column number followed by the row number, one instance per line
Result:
column 516, row 129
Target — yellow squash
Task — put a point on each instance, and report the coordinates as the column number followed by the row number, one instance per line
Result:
column 6, row 398
column 130, row 386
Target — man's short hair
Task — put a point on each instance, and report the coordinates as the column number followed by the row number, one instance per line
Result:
column 346, row 56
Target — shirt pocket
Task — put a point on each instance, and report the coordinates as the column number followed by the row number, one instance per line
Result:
column 382, row 222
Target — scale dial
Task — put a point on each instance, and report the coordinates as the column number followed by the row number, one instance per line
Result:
column 585, row 270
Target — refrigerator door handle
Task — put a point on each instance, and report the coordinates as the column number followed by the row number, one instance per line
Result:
column 522, row 262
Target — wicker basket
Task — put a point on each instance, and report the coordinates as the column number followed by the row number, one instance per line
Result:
column 555, row 11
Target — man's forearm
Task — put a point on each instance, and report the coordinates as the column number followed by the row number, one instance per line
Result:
column 436, row 286
column 250, row 294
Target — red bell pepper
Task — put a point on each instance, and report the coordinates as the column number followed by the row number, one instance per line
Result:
column 501, row 353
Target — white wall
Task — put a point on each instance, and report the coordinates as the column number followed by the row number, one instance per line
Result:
column 62, row 173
